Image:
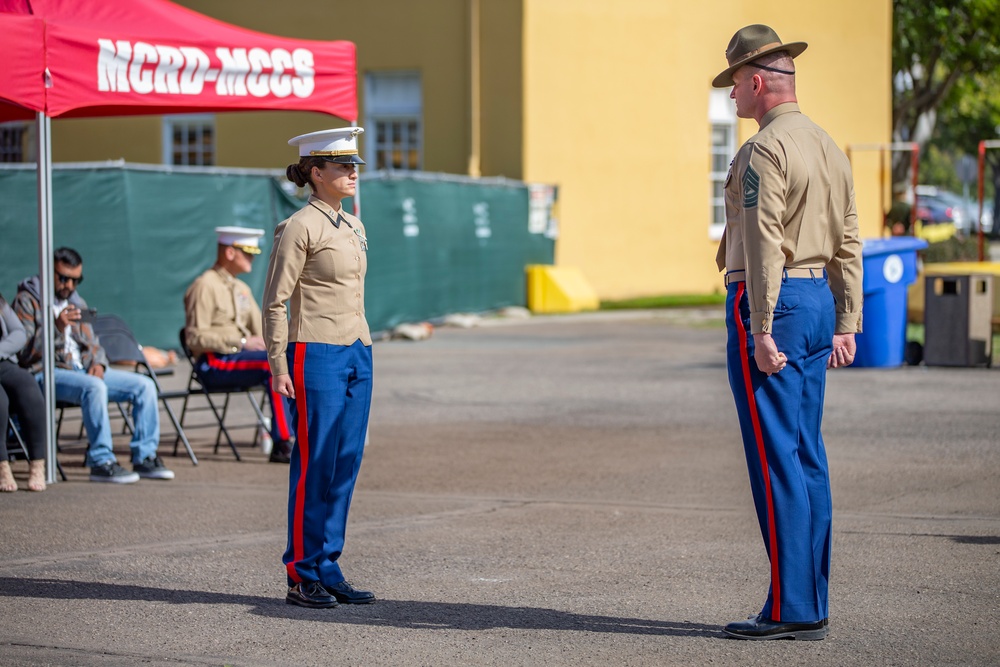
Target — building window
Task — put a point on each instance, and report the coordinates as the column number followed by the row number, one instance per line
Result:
column 722, row 118
column 394, row 119
column 14, row 137
column 189, row 140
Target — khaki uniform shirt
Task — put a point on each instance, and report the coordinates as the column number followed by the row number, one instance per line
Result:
column 790, row 203
column 220, row 313
column 318, row 262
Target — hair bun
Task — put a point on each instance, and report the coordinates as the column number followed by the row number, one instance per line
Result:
column 294, row 174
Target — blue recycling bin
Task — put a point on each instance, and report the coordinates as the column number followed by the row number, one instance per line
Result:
column 890, row 266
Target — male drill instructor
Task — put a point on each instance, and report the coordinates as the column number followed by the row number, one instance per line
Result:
column 793, row 279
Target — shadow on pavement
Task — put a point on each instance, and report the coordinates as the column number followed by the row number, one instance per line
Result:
column 394, row 613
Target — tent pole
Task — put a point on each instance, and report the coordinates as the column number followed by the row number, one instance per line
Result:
column 357, row 188
column 45, row 274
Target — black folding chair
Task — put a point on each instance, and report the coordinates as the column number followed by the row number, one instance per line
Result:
column 120, row 345
column 197, row 387
column 13, row 435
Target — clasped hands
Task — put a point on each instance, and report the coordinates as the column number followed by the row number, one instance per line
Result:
column 770, row 360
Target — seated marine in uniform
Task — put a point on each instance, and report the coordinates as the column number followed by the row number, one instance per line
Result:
column 223, row 329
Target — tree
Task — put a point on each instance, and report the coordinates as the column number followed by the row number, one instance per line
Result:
column 937, row 45
column 970, row 114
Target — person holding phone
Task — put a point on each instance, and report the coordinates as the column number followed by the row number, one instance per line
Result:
column 82, row 376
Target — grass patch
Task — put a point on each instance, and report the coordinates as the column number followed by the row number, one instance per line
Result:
column 670, row 301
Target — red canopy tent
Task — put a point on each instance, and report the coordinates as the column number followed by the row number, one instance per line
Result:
column 73, row 58
column 79, row 58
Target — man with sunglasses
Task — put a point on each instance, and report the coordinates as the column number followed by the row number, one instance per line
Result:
column 82, row 375
column 223, row 329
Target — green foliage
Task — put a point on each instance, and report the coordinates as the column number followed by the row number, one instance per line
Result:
column 946, row 85
column 969, row 114
column 671, row 301
column 937, row 42
column 938, row 166
column 955, row 249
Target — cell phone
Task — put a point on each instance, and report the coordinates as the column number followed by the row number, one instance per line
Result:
column 88, row 314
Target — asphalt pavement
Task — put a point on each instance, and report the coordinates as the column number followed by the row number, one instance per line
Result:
column 550, row 491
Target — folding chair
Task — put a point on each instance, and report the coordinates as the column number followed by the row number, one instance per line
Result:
column 12, row 430
column 196, row 386
column 120, row 345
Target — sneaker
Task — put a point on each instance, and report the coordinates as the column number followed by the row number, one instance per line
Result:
column 152, row 468
column 110, row 471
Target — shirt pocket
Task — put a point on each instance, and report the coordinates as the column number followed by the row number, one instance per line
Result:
column 733, row 196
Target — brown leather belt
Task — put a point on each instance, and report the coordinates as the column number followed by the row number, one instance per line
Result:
column 797, row 272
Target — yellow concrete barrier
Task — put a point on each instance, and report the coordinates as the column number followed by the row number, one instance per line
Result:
column 937, row 233
column 559, row 289
column 915, row 296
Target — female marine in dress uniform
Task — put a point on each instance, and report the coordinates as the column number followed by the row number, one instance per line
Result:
column 320, row 354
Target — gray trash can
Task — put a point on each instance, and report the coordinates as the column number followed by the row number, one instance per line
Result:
column 958, row 313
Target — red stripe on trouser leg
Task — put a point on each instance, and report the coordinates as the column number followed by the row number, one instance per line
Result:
column 278, row 407
column 244, row 365
column 302, row 443
column 762, row 454
column 280, row 414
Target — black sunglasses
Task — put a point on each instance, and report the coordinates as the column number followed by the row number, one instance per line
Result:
column 63, row 279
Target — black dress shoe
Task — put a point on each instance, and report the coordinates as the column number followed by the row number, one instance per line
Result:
column 281, row 451
column 761, row 627
column 347, row 594
column 310, row 594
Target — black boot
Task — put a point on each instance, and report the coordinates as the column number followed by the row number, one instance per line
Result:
column 281, row 451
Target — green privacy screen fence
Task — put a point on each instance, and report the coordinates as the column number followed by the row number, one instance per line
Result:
column 437, row 244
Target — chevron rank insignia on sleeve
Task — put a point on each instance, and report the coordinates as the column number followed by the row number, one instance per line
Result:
column 751, row 187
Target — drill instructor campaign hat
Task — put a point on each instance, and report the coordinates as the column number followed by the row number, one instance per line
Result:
column 339, row 145
column 749, row 44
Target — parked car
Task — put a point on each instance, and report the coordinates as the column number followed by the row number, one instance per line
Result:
column 941, row 204
column 934, row 212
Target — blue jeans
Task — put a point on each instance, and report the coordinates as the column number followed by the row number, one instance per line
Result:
column 92, row 395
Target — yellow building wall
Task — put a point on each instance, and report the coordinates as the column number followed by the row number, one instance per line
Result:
column 390, row 34
column 616, row 113
column 608, row 101
column 502, row 91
